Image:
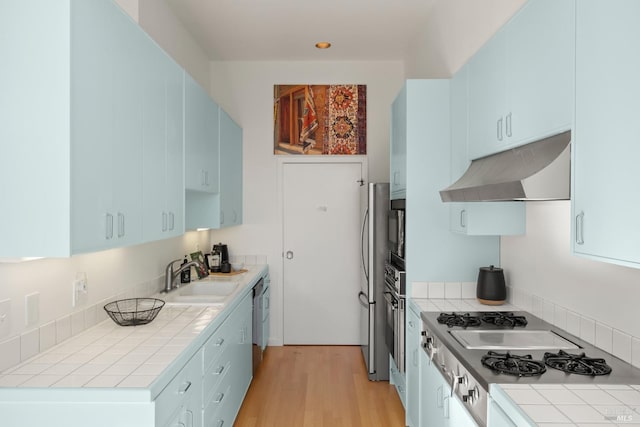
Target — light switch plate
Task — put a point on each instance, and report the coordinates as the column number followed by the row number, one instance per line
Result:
column 5, row 318
column 32, row 309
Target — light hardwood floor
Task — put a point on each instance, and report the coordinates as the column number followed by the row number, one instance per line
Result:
column 324, row 386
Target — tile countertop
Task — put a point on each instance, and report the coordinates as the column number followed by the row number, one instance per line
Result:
column 551, row 405
column 138, row 359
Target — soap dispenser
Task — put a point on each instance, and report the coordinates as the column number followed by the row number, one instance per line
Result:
column 185, row 275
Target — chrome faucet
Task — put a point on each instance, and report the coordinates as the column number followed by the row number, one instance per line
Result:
column 170, row 276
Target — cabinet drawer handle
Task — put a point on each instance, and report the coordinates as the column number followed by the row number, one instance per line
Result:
column 220, row 423
column 171, row 220
column 499, row 129
column 164, row 221
column 445, row 406
column 439, row 397
column 219, row 370
column 580, row 228
column 508, row 125
column 219, row 342
column 219, row 398
column 463, row 217
column 185, row 386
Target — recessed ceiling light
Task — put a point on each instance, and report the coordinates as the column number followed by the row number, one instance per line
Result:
column 323, row 45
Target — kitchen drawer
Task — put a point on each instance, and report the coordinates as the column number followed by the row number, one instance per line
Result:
column 218, row 416
column 215, row 375
column 186, row 385
column 218, row 342
column 221, row 399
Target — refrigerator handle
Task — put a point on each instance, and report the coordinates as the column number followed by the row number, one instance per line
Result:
column 364, row 226
column 365, row 301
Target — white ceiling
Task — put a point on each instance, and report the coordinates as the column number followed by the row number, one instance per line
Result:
column 288, row 29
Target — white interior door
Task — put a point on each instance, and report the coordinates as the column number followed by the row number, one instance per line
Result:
column 321, row 253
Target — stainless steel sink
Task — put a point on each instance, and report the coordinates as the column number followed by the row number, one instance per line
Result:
column 512, row 340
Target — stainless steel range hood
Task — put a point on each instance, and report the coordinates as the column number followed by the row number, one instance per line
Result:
column 540, row 170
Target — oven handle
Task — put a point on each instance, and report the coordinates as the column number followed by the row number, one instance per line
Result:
column 388, row 296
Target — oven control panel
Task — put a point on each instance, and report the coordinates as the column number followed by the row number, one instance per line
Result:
column 462, row 384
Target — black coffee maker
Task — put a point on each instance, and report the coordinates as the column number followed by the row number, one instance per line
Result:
column 222, row 253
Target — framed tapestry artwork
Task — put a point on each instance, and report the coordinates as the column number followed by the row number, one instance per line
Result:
column 320, row 119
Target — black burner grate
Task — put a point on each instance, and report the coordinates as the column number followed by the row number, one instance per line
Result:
column 504, row 319
column 512, row 364
column 458, row 319
column 576, row 363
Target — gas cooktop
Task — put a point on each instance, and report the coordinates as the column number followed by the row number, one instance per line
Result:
column 472, row 337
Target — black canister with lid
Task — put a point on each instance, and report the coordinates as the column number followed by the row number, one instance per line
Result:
column 491, row 289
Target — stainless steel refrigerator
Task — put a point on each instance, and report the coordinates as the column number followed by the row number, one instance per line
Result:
column 374, row 253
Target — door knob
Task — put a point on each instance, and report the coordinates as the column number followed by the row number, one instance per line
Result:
column 289, row 255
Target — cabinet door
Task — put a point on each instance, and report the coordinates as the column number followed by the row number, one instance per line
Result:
column 174, row 189
column 540, row 74
column 398, row 145
column 487, row 97
column 163, row 180
column 201, row 139
column 434, row 399
column 496, row 416
column 606, row 176
column 230, row 171
column 106, row 128
column 413, row 367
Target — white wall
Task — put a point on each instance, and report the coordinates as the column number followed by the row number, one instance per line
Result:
column 245, row 91
column 454, row 31
column 540, row 264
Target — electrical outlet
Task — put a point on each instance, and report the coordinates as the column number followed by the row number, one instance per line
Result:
column 79, row 290
column 5, row 317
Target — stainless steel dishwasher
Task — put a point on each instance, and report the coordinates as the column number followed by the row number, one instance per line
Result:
column 258, row 313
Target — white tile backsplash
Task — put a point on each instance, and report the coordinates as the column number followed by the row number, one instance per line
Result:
column 635, row 352
column 9, row 353
column 29, row 344
column 548, row 311
column 604, row 337
column 436, row 290
column 621, row 345
column 452, row 290
column 573, row 323
column 537, row 306
column 560, row 317
column 468, row 289
column 47, row 336
column 588, row 330
column 419, row 289
column 63, row 328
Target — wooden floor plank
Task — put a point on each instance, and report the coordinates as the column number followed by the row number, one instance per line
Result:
column 318, row 386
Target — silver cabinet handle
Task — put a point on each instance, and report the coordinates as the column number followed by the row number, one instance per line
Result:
column 499, row 129
column 164, row 221
column 580, row 228
column 289, row 255
column 463, row 217
column 219, row 371
column 120, row 224
column 185, row 386
column 445, row 406
column 220, row 423
column 171, row 220
column 219, row 342
column 508, row 125
column 219, row 398
column 109, row 226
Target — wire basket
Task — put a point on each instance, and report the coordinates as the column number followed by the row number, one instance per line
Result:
column 134, row 311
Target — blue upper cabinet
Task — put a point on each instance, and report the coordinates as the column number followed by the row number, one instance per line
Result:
column 85, row 141
column 202, row 139
column 230, row 171
column 434, row 253
column 398, row 146
column 491, row 218
column 606, row 148
column 521, row 81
